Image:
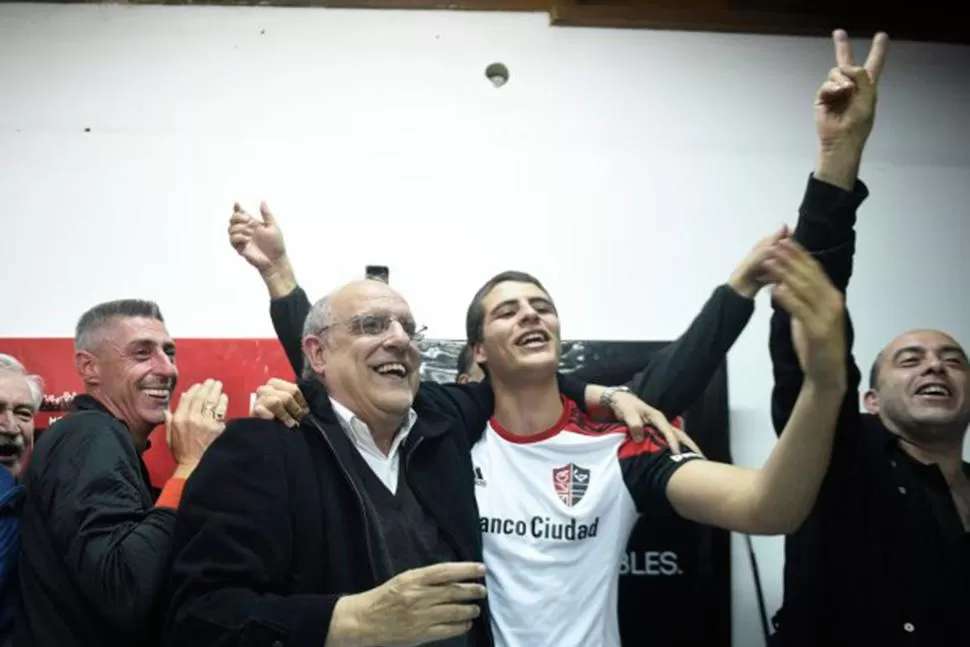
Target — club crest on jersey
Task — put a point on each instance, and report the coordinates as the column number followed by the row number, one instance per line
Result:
column 571, row 482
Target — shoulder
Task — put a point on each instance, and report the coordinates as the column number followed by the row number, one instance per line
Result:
column 81, row 432
column 249, row 439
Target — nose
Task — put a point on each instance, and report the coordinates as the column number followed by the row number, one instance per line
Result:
column 164, row 366
column 935, row 364
column 528, row 313
column 396, row 336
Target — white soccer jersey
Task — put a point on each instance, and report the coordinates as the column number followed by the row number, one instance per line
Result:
column 557, row 510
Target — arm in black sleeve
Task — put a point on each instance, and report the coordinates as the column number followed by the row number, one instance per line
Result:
column 288, row 314
column 115, row 544
column 11, row 497
column 677, row 375
column 233, row 549
column 825, row 228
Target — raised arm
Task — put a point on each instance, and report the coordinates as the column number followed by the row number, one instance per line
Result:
column 260, row 242
column 845, row 110
column 777, row 498
column 677, row 376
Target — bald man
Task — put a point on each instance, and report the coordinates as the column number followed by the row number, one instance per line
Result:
column 359, row 528
column 884, row 558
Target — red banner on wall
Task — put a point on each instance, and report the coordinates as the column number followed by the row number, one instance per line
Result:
column 242, row 365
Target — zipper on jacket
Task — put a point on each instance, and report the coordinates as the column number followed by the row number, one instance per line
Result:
column 360, row 501
column 486, row 617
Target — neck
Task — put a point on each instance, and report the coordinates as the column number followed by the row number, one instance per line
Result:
column 944, row 449
column 139, row 429
column 383, row 432
column 527, row 408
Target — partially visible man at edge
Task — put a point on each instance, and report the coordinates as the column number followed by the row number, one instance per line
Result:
column 20, row 398
column 96, row 535
column 884, row 558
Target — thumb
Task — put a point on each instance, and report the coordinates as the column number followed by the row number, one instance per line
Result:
column 168, row 428
column 268, row 217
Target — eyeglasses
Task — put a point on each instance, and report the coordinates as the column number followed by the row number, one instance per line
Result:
column 376, row 325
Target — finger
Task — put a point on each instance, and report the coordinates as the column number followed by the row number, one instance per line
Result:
column 185, row 402
column 280, row 411
column 668, row 432
column 860, row 77
column 268, row 217
column 447, row 630
column 838, row 76
column 222, row 407
column 448, row 572
column 292, row 389
column 240, row 218
column 689, row 442
column 876, row 60
column 632, row 418
column 261, row 411
column 199, row 398
column 832, row 92
column 453, row 613
column 168, row 429
column 843, row 49
column 790, row 302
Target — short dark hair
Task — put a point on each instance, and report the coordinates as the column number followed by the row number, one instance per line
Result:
column 95, row 318
column 475, row 318
column 874, row 371
column 465, row 359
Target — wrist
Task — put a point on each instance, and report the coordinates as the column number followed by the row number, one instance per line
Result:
column 346, row 628
column 827, row 385
column 838, row 163
column 743, row 287
column 279, row 278
column 184, row 470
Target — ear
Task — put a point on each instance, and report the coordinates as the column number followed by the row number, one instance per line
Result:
column 314, row 350
column 87, row 368
column 463, row 378
column 478, row 352
column 871, row 401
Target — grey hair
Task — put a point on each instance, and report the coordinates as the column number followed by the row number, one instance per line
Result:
column 317, row 320
column 35, row 383
column 94, row 319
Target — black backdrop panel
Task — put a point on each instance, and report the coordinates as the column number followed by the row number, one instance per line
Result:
column 675, row 584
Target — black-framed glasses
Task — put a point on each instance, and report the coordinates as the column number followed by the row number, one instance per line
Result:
column 375, row 325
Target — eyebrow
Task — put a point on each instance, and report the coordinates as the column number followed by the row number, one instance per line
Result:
column 949, row 349
column 532, row 301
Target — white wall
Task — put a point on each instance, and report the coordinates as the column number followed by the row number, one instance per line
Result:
column 630, row 170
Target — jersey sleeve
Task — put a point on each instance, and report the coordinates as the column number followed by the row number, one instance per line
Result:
column 647, row 466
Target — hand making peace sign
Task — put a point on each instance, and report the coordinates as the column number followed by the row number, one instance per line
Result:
column 845, row 104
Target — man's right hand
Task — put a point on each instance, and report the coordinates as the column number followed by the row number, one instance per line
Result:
column 418, row 606
column 817, row 309
column 845, row 109
column 258, row 240
column 198, row 420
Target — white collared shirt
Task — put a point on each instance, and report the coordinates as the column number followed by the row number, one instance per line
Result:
column 386, row 467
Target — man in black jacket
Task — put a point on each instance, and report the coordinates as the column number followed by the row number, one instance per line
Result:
column 96, row 536
column 360, row 528
column 884, row 559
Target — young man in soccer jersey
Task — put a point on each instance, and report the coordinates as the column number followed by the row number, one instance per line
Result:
column 558, row 497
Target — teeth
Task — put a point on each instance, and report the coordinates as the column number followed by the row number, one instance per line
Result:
column 394, row 368
column 933, row 389
column 533, row 337
column 157, row 393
